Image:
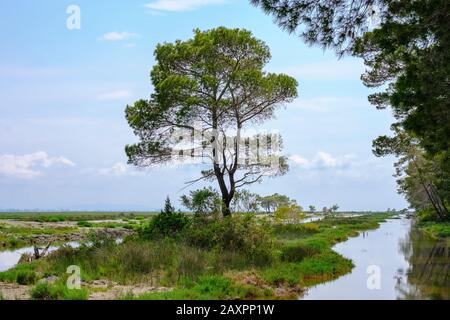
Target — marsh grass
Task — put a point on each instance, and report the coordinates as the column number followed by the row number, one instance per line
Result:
column 57, row 291
column 197, row 265
column 436, row 229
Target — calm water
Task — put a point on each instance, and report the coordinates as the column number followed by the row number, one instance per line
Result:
column 9, row 258
column 410, row 266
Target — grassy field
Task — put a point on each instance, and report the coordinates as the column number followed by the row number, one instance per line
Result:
column 290, row 257
column 71, row 216
column 19, row 229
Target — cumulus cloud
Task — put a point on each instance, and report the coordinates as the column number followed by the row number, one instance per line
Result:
column 180, row 5
column 118, row 169
column 114, row 95
column 118, row 36
column 323, row 160
column 30, row 165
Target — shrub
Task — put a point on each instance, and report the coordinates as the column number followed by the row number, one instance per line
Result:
column 296, row 253
column 13, row 242
column 26, row 277
column 46, row 291
column 84, row 224
column 203, row 201
column 427, row 215
column 289, row 214
column 240, row 233
column 101, row 238
column 311, row 227
column 168, row 223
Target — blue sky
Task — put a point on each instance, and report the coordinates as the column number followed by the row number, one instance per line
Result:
column 63, row 94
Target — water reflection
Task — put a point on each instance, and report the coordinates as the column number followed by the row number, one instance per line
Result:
column 428, row 274
column 412, row 266
column 10, row 258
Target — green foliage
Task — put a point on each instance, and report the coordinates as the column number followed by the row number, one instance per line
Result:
column 26, row 277
column 245, row 201
column 57, row 291
column 209, row 258
column 84, row 224
column 210, row 288
column 21, row 271
column 239, row 233
column 275, row 201
column 69, row 216
column 203, row 201
column 289, row 214
column 407, row 53
column 166, row 224
column 435, row 229
column 216, row 79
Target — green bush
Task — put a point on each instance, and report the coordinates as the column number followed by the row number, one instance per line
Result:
column 13, row 242
column 26, row 277
column 294, row 253
column 84, row 224
column 238, row 233
column 167, row 224
column 427, row 215
column 46, row 291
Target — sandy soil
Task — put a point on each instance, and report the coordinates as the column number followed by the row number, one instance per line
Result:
column 12, row 291
column 35, row 224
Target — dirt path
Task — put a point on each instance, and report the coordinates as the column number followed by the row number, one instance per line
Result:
column 105, row 290
column 12, row 291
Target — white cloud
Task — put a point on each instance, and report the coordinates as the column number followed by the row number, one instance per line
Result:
column 114, row 95
column 29, row 165
column 118, row 36
column 180, row 5
column 323, row 160
column 119, row 169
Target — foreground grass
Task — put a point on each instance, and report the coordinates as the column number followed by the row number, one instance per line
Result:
column 301, row 257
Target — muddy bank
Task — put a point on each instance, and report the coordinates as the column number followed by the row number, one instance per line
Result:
column 77, row 236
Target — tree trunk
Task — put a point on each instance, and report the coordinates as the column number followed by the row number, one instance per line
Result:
column 226, row 207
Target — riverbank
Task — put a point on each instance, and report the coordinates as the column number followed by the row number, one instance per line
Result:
column 437, row 230
column 301, row 256
column 18, row 231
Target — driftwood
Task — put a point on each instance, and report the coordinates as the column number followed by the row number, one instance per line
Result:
column 38, row 254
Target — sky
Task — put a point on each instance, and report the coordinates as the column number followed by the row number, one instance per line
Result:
column 64, row 87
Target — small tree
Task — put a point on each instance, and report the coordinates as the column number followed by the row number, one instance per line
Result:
column 312, row 209
column 168, row 208
column 334, row 208
column 275, row 201
column 245, row 201
column 289, row 214
column 168, row 223
column 203, row 201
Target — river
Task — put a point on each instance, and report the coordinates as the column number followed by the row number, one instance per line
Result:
column 396, row 261
column 9, row 258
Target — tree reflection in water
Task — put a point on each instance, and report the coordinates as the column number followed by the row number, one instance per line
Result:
column 428, row 275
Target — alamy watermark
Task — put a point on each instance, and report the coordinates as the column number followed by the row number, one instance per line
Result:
column 73, row 21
